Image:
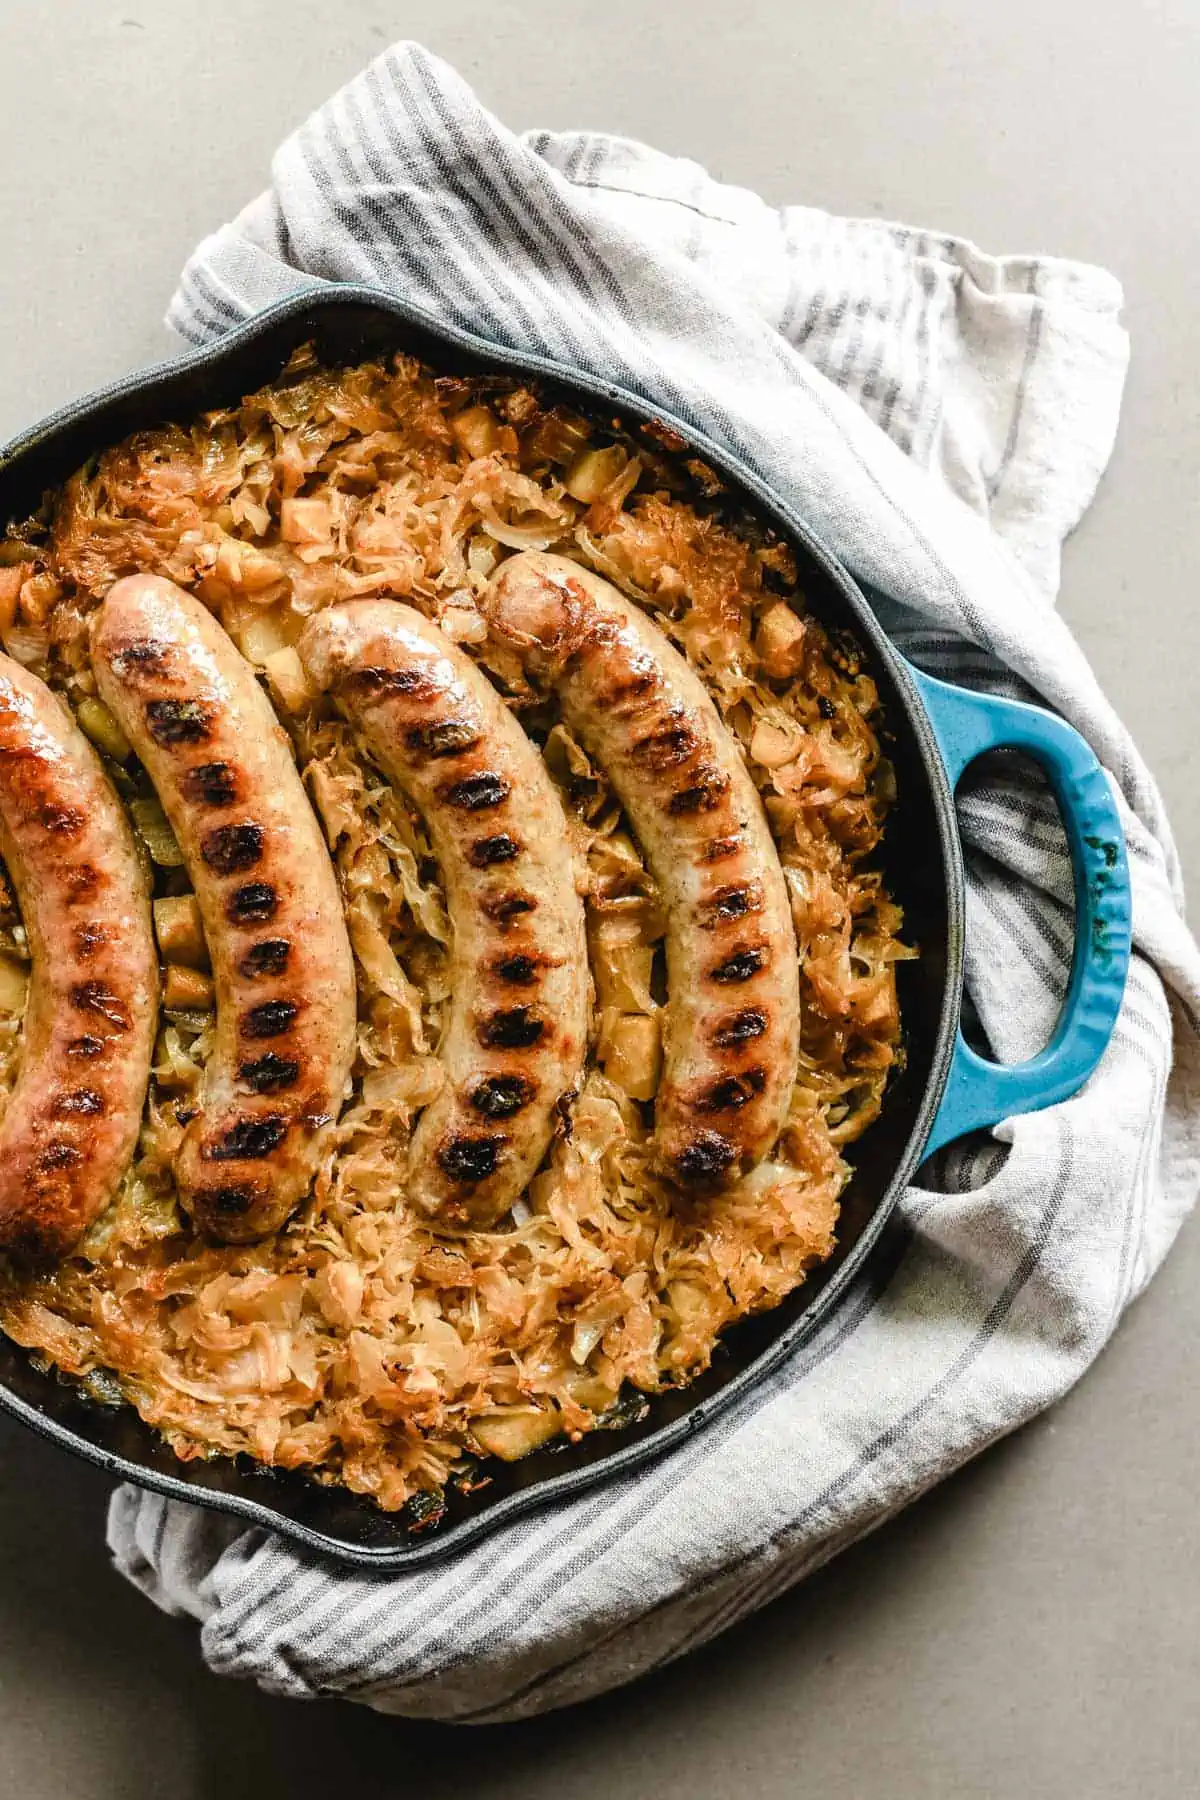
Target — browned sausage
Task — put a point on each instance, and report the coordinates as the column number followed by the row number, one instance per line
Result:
column 72, row 1120
column 222, row 765
column 731, row 1032
column 516, row 1034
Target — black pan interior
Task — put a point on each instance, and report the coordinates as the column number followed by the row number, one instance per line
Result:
column 923, row 871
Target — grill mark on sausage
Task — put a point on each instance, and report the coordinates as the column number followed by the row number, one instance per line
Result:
column 249, row 1140
column 729, row 903
column 58, row 1155
column 476, row 793
column 500, row 1096
column 514, row 1028
column 468, row 1159
column 443, row 737
column 228, row 849
column 142, row 653
column 562, row 1107
column 211, row 784
column 413, row 682
column 269, row 957
column 740, row 1028
column 704, row 1160
column 485, row 853
column 502, row 909
column 704, row 794
column 268, row 1074
column 720, row 849
column 78, row 1103
column 271, row 1019
column 740, row 966
column 518, row 971
column 61, row 821
column 81, row 881
column 252, row 904
column 621, row 689
column 171, row 722
column 668, row 746
column 233, row 1200
column 86, row 1047
column 732, row 1091
column 89, row 938
column 95, row 997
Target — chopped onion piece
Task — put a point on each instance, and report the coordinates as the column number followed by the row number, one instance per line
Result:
column 98, row 724
column 154, row 831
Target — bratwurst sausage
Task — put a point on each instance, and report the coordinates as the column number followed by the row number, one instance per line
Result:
column 731, row 1031
column 222, row 766
column 516, row 1034
column 72, row 1119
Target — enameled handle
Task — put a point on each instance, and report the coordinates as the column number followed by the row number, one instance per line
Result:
column 978, row 1092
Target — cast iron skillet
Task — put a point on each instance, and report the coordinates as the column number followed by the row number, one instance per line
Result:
column 946, row 1089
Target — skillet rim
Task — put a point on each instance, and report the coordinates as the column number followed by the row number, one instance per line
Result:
column 248, row 1501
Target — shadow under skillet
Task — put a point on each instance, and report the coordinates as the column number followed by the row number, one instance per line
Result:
column 104, row 1698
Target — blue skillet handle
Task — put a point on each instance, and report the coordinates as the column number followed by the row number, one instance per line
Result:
column 980, row 1093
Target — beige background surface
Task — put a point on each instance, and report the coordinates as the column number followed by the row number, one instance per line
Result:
column 1030, row 1629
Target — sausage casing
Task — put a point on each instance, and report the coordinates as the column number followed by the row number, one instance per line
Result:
column 223, row 769
column 731, row 1030
column 72, row 1120
column 516, row 1033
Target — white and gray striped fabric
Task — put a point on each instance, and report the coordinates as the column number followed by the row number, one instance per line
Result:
column 942, row 418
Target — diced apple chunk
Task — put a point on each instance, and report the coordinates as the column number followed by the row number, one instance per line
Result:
column 259, row 631
column 179, row 931
column 247, row 568
column 187, row 990
column 632, row 1054
column 288, row 681
column 479, row 432
column 510, row 1435
column 593, row 471
column 779, row 641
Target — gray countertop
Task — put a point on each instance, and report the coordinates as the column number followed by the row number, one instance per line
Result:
column 1029, row 1629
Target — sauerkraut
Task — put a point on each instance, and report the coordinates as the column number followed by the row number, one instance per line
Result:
column 360, row 1344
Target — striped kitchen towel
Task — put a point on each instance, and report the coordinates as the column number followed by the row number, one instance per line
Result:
column 941, row 417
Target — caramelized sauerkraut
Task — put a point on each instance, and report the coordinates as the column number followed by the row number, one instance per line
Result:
column 360, row 1344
